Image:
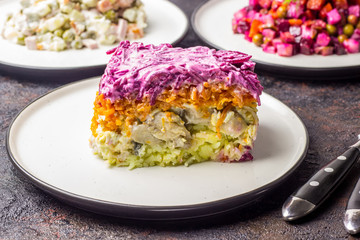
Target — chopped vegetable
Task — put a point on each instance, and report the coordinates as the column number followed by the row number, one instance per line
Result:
column 289, row 27
column 58, row 25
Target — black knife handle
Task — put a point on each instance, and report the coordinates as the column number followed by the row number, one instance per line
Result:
column 354, row 200
column 328, row 177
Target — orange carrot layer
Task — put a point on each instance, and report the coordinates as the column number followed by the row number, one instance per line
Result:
column 120, row 115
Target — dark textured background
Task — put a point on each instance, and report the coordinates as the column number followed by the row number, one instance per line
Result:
column 329, row 109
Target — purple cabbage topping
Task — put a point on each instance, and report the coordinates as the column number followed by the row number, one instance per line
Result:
column 136, row 70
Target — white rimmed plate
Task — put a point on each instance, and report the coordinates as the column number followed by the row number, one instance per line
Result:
column 166, row 24
column 48, row 142
column 212, row 23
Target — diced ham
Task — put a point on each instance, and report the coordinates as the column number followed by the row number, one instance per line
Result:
column 122, row 29
column 90, row 43
column 104, row 5
column 30, row 43
column 123, row 3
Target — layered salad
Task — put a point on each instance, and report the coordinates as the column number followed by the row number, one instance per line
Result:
column 159, row 105
column 58, row 25
column 290, row 27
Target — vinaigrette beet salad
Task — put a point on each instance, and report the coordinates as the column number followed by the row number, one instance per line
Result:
column 290, row 27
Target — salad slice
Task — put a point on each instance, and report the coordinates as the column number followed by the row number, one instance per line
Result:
column 290, row 27
column 58, row 25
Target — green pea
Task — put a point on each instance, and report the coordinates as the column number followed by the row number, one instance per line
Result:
column 21, row 40
column 111, row 15
column 77, row 44
column 342, row 38
column 331, row 29
column 66, row 25
column 258, row 39
column 352, row 19
column 59, row 32
column 348, row 29
column 281, row 12
column 68, row 36
column 92, row 34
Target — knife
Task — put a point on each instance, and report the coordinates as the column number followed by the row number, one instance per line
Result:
column 352, row 213
column 309, row 196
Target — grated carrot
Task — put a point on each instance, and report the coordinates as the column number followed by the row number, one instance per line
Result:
column 119, row 116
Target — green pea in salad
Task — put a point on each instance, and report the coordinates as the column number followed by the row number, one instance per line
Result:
column 57, row 25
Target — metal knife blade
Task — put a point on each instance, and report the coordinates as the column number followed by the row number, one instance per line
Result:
column 352, row 213
column 309, row 196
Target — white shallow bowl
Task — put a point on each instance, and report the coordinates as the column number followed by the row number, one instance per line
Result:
column 48, row 142
column 212, row 23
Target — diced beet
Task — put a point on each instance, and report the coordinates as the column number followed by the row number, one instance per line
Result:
column 324, row 50
column 328, row 50
column 257, row 16
column 354, row 10
column 318, row 49
column 276, row 42
column 295, row 10
column 246, row 34
column 268, row 20
column 333, row 17
column 286, row 37
column 339, row 49
column 322, row 39
column 315, row 4
column 240, row 15
column 242, row 27
column 283, row 25
column 340, row 4
column 309, row 15
column 285, row 49
column 308, row 23
column 351, row 45
column 308, row 32
column 253, row 2
column 306, row 46
column 319, row 24
column 251, row 14
column 327, row 8
column 296, row 48
column 356, row 34
column 269, row 49
column 265, row 3
column 269, row 33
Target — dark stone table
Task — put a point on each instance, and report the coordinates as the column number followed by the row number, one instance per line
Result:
column 329, row 109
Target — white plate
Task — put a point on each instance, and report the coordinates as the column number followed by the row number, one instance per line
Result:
column 48, row 142
column 212, row 22
column 166, row 24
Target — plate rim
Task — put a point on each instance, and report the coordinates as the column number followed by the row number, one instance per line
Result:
column 144, row 212
column 287, row 70
column 6, row 65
